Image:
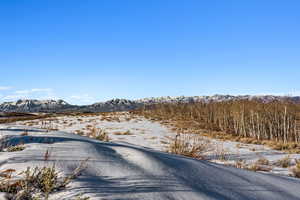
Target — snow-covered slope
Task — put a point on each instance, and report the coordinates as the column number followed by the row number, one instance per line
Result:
column 123, row 171
column 114, row 105
column 31, row 105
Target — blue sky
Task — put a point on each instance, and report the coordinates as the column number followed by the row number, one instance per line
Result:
column 87, row 51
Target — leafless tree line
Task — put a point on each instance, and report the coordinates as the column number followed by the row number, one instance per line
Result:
column 277, row 121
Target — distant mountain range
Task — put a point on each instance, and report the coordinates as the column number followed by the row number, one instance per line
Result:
column 31, row 105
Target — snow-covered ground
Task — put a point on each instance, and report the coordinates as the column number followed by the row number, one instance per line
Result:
column 119, row 171
column 127, row 128
column 120, row 127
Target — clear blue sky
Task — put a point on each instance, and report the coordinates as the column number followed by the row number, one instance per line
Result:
column 92, row 50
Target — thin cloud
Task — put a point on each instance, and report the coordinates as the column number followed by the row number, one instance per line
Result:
column 41, row 90
column 35, row 93
column 34, row 90
column 5, row 87
column 13, row 97
column 22, row 91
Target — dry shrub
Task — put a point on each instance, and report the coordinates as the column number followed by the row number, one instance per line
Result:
column 110, row 117
column 123, row 133
column 7, row 173
column 36, row 182
column 241, row 164
column 79, row 132
column 29, row 123
column 81, row 197
column 220, row 152
column 290, row 147
column 284, row 162
column 48, row 125
column 98, row 134
column 296, row 169
column 263, row 161
column 89, row 126
column 259, row 165
column 15, row 148
column 189, row 145
column 256, row 167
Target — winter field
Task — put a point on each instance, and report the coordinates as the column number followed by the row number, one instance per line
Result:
column 130, row 161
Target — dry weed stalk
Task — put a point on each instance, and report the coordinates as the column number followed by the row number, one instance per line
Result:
column 47, row 155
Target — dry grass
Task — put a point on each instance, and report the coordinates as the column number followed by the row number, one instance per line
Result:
column 98, row 134
column 284, row 162
column 15, row 148
column 263, row 161
column 123, row 133
column 7, row 173
column 221, row 153
column 189, row 145
column 36, row 183
column 81, row 197
column 49, row 125
column 296, row 169
column 192, row 127
column 111, row 117
column 290, row 147
column 14, row 117
column 79, row 132
column 89, row 126
column 257, row 167
column 241, row 164
column 262, row 164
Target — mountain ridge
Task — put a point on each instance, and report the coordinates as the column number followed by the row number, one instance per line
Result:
column 34, row 105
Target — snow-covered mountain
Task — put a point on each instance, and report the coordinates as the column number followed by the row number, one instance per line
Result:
column 125, row 104
column 114, row 105
column 216, row 98
column 32, row 105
